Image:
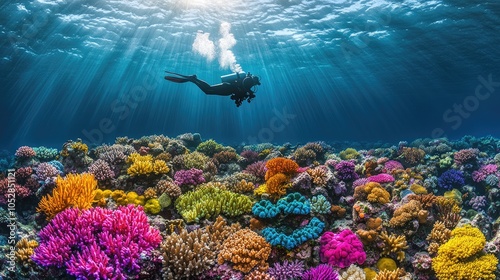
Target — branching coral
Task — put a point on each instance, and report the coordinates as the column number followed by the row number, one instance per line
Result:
column 97, row 243
column 72, row 191
column 246, row 250
column 394, row 244
column 461, row 256
column 24, row 249
column 437, row 237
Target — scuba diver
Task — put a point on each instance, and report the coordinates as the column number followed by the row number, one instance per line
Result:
column 239, row 86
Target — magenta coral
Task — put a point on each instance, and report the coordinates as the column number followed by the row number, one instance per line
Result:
column 97, row 243
column 381, row 178
column 321, row 272
column 341, row 249
column 483, row 172
column 25, row 152
column 189, row 177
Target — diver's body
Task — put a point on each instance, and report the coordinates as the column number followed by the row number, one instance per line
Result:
column 239, row 89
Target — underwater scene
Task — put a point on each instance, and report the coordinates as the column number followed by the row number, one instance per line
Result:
column 268, row 139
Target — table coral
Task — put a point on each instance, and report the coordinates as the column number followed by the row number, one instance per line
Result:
column 246, row 250
column 461, row 256
column 75, row 190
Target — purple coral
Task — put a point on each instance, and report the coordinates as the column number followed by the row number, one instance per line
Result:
column 346, row 170
column 189, row 177
column 451, row 179
column 321, row 272
column 101, row 170
column 257, row 169
column 25, row 152
column 250, row 156
column 97, row 243
column 341, row 249
column 286, row 270
column 478, row 202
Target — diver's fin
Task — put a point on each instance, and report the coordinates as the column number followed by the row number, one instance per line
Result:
column 184, row 76
column 176, row 79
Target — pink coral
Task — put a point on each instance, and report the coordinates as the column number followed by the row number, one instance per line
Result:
column 466, row 156
column 342, row 249
column 392, row 165
column 25, row 152
column 483, row 172
column 381, row 178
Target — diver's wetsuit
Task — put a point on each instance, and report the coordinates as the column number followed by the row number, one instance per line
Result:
column 236, row 90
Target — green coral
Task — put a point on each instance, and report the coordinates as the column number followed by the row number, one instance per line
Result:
column 45, row 154
column 348, row 154
column 209, row 147
column 195, row 160
column 445, row 162
column 320, row 205
column 209, row 201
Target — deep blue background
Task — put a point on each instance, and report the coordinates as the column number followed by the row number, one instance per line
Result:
column 360, row 70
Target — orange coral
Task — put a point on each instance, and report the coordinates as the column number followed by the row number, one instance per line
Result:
column 256, row 224
column 319, row 176
column 338, row 211
column 24, row 249
column 246, row 250
column 75, row 190
column 370, row 167
column 427, row 200
column 280, row 165
column 258, row 275
column 367, row 236
column 277, row 185
column 373, row 192
column 406, row 213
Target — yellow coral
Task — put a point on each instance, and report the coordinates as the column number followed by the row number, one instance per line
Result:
column 262, row 189
column 394, row 244
column 349, row 154
column 386, row 264
column 79, row 146
column 140, row 167
column 152, row 206
column 461, row 256
column 24, row 249
column 418, row 189
column 75, row 190
column 160, row 167
column 134, row 198
column 370, row 274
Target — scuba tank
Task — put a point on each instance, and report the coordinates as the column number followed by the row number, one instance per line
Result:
column 233, row 77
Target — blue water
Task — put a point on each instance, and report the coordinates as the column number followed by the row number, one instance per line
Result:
column 330, row 70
